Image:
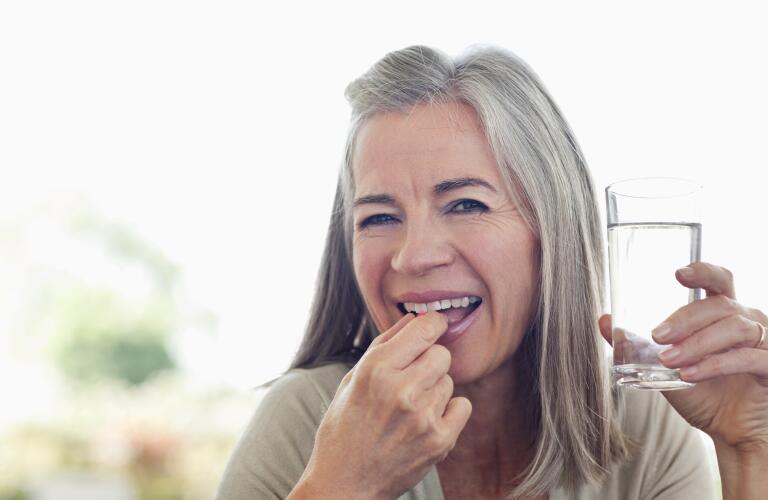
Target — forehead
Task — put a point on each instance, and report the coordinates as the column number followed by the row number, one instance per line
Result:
column 430, row 143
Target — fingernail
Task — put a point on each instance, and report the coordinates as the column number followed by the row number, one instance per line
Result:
column 688, row 372
column 661, row 332
column 669, row 354
column 686, row 272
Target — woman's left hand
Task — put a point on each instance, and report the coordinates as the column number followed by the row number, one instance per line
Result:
column 714, row 342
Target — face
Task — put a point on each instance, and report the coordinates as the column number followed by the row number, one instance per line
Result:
column 434, row 222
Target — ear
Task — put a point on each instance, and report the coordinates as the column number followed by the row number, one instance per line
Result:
column 605, row 327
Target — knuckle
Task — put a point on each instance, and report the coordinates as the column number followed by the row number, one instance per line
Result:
column 681, row 316
column 425, row 422
column 727, row 304
column 362, row 374
column 742, row 324
column 347, row 378
column 714, row 365
column 752, row 312
column 745, row 357
column 760, row 316
column 451, row 444
column 447, row 449
column 376, row 340
column 437, row 442
column 441, row 354
column 447, row 381
column 692, row 345
column 371, row 353
column 372, row 374
column 404, row 401
column 728, row 274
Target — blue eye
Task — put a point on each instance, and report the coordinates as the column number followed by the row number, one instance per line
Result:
column 459, row 207
column 468, row 206
column 377, row 220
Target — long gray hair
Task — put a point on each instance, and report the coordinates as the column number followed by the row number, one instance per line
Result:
column 577, row 433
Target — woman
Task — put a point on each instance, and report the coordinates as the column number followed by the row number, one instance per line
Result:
column 464, row 198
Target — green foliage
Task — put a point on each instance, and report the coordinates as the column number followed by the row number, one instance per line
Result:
column 101, row 303
column 14, row 494
column 132, row 360
column 103, row 336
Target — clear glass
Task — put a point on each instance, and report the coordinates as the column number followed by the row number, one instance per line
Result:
column 654, row 228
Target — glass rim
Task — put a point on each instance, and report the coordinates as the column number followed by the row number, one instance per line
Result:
column 692, row 187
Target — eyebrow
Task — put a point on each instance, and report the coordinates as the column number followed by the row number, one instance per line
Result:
column 451, row 184
column 438, row 190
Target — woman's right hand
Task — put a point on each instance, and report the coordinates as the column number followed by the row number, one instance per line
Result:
column 393, row 415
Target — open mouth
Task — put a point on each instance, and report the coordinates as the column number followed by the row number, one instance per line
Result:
column 454, row 310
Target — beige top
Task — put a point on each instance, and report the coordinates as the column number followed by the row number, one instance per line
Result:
column 271, row 455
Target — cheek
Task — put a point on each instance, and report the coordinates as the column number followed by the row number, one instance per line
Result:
column 369, row 265
column 508, row 262
column 510, row 250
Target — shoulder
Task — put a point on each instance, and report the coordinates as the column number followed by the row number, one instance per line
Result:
column 294, row 404
column 668, row 459
column 273, row 452
column 310, row 388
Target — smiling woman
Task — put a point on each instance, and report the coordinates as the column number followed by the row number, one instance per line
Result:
column 442, row 225
column 464, row 197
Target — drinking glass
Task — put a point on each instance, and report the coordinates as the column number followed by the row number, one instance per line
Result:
column 654, row 228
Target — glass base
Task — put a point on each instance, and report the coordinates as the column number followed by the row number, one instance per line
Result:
column 649, row 377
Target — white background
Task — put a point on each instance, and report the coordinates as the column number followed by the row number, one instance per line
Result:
column 215, row 129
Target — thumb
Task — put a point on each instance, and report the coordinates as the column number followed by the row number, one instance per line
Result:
column 605, row 327
column 457, row 413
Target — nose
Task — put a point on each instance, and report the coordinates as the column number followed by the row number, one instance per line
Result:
column 423, row 247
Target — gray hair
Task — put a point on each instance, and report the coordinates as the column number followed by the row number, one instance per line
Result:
column 576, row 419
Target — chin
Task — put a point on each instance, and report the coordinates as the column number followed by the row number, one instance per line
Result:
column 465, row 370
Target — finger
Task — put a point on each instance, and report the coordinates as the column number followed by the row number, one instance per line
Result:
column 429, row 367
column 741, row 360
column 714, row 279
column 731, row 332
column 604, row 323
column 413, row 339
column 440, row 394
column 695, row 316
column 388, row 334
column 456, row 416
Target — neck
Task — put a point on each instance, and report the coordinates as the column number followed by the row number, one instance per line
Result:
column 501, row 431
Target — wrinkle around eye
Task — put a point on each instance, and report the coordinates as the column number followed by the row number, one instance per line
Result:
column 370, row 221
column 506, row 217
column 477, row 207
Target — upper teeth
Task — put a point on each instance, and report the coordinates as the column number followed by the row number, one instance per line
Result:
column 439, row 304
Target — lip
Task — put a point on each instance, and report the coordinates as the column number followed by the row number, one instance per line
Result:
column 433, row 295
column 456, row 330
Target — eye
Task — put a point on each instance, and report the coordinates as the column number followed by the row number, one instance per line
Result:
column 376, row 220
column 463, row 206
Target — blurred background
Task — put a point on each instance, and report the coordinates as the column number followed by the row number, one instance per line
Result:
column 166, row 176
